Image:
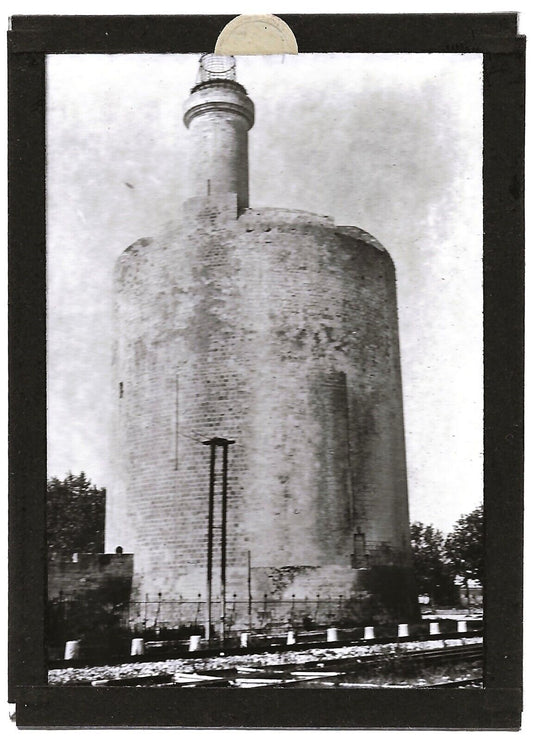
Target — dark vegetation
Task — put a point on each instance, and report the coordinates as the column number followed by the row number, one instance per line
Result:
column 75, row 523
column 441, row 562
column 93, row 617
column 75, row 516
column 465, row 545
column 434, row 575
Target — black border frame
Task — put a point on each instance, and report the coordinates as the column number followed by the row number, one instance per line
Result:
column 498, row 706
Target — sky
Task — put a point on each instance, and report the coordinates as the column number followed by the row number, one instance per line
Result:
column 391, row 143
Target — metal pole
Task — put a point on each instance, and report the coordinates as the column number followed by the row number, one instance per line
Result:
column 198, row 605
column 249, row 591
column 212, row 445
column 223, row 541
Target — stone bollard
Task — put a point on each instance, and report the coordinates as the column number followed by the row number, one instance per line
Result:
column 332, row 635
column 137, row 647
column 434, row 629
column 72, row 650
column 291, row 637
column 369, row 633
column 244, row 640
column 403, row 630
column 194, row 643
column 461, row 626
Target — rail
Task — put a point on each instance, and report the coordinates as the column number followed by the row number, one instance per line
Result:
column 311, row 673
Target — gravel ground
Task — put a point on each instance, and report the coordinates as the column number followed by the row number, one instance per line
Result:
column 86, row 675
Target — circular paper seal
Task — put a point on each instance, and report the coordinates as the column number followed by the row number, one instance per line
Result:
column 256, row 34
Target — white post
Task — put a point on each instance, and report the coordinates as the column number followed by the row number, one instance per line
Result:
column 291, row 638
column 194, row 643
column 403, row 630
column 244, row 640
column 137, row 647
column 434, row 629
column 461, row 626
column 369, row 633
column 72, row 650
column 332, row 635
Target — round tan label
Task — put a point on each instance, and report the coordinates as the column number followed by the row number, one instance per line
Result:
column 256, row 34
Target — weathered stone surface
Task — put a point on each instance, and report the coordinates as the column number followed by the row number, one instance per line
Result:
column 218, row 115
column 89, row 572
column 276, row 329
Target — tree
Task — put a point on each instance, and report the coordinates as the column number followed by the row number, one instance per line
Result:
column 75, row 516
column 432, row 572
column 464, row 547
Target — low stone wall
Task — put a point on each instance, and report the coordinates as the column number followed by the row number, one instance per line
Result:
column 88, row 598
column 86, row 572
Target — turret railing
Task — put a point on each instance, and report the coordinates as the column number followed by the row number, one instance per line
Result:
column 215, row 67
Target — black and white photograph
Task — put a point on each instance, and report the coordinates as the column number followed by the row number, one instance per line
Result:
column 266, row 390
column 265, row 371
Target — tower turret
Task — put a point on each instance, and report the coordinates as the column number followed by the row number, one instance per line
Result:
column 218, row 114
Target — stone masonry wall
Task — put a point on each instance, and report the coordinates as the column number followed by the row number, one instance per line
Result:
column 277, row 330
column 89, row 572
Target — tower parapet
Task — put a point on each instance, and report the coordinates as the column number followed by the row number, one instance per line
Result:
column 218, row 114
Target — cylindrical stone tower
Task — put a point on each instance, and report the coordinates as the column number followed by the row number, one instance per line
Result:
column 278, row 330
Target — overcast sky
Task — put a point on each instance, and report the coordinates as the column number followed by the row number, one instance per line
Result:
column 391, row 143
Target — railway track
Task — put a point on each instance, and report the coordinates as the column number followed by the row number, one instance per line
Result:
column 459, row 683
column 325, row 672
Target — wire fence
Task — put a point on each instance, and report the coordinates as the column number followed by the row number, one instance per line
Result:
column 239, row 614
